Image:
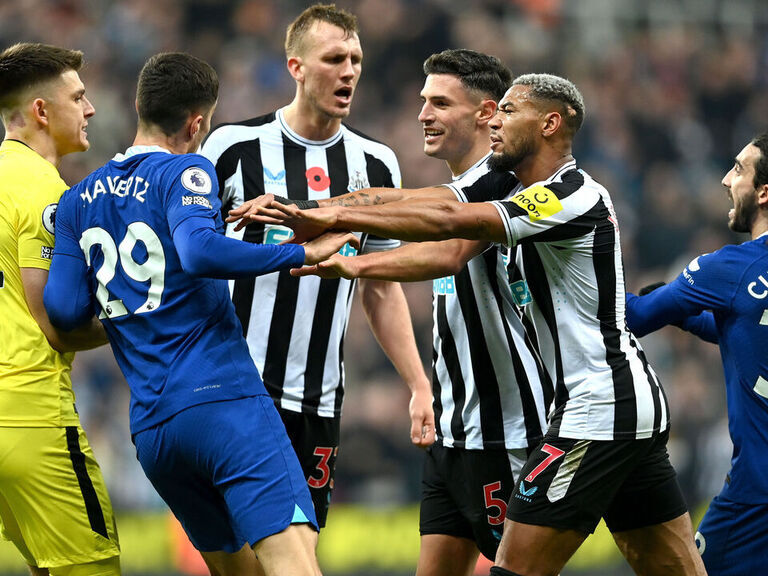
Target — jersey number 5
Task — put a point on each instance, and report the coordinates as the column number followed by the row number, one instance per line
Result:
column 152, row 269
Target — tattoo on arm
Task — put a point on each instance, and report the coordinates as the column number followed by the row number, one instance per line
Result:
column 360, row 199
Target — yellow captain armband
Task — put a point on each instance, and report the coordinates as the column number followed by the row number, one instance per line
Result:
column 539, row 202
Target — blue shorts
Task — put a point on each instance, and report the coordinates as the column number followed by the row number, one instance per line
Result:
column 227, row 471
column 733, row 538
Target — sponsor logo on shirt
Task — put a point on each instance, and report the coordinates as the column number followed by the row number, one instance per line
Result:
column 445, row 285
column 198, row 200
column 46, row 252
column 196, row 180
column 520, row 293
column 49, row 217
column 2, row 279
column 276, row 178
column 525, row 493
column 538, row 201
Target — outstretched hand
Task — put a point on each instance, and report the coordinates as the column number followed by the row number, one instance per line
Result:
column 337, row 266
column 325, row 245
column 306, row 224
column 248, row 208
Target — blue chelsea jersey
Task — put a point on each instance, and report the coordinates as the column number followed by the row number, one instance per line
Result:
column 175, row 336
column 733, row 283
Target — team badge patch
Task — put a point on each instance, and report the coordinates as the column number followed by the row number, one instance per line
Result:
column 49, row 217
column 196, row 180
column 539, row 202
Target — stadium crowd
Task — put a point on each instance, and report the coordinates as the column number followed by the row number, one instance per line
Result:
column 672, row 90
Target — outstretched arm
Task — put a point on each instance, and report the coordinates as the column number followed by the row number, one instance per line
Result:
column 409, row 263
column 204, row 252
column 387, row 312
column 364, row 197
column 417, row 219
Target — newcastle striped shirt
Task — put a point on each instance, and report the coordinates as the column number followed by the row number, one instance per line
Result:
column 570, row 263
column 295, row 326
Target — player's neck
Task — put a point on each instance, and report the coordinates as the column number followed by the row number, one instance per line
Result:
column 538, row 167
column 176, row 144
column 308, row 122
column 759, row 228
column 38, row 141
column 458, row 166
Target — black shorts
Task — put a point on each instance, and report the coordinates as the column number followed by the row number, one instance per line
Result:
column 571, row 484
column 316, row 442
column 464, row 493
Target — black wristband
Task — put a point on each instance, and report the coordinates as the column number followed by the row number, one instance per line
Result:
column 650, row 288
column 302, row 204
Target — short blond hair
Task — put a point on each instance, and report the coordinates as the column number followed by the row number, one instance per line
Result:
column 297, row 30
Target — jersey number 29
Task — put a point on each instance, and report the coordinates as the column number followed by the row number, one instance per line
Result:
column 152, row 269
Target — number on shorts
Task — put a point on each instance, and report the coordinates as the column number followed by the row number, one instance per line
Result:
column 152, row 269
column 554, row 454
column 325, row 453
column 492, row 502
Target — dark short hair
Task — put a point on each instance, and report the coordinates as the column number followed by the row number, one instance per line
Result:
column 27, row 64
column 477, row 71
column 173, row 85
column 556, row 89
column 297, row 30
column 761, row 164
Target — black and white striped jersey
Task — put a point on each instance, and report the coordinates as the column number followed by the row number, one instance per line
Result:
column 490, row 388
column 569, row 266
column 295, row 326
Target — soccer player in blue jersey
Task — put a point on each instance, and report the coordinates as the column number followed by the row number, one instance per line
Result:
column 732, row 283
column 139, row 243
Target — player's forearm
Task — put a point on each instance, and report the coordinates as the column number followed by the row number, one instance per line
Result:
column 411, row 263
column 205, row 253
column 89, row 335
column 424, row 219
column 386, row 309
column 646, row 314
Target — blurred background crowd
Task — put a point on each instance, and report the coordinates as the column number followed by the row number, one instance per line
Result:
column 673, row 89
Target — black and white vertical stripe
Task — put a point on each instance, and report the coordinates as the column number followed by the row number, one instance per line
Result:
column 489, row 385
column 295, row 327
column 571, row 260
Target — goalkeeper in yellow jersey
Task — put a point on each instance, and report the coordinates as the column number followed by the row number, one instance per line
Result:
column 53, row 502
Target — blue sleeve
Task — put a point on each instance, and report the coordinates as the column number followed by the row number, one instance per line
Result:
column 67, row 296
column 205, row 252
column 707, row 283
column 702, row 325
column 646, row 314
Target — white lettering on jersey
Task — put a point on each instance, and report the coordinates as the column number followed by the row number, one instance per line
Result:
column 753, row 286
column 118, row 187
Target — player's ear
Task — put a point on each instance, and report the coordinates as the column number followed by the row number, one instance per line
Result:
column 39, row 109
column 487, row 111
column 762, row 196
column 552, row 121
column 295, row 69
column 194, row 126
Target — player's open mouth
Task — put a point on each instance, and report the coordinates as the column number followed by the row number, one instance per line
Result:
column 344, row 94
column 430, row 136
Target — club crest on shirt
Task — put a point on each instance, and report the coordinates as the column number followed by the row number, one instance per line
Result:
column 358, row 181
column 539, row 202
column 49, row 217
column 196, row 180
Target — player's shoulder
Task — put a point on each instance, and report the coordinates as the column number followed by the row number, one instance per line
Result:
column 228, row 134
column 368, row 143
column 195, row 172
